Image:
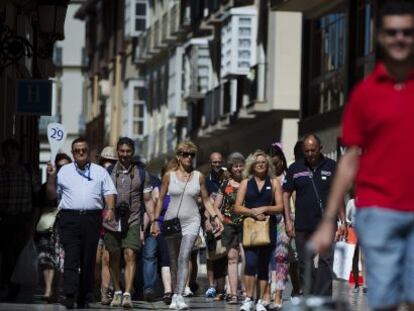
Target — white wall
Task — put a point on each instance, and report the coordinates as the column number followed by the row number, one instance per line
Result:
column 74, row 38
column 284, row 53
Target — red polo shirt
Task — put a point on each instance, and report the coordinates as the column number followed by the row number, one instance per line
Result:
column 379, row 118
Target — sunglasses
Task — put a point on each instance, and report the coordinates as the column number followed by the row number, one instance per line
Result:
column 80, row 150
column 405, row 32
column 187, row 154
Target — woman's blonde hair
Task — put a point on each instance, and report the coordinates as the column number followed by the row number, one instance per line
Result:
column 186, row 146
column 251, row 161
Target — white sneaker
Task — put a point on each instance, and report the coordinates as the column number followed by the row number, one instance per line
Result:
column 173, row 304
column 181, row 305
column 247, row 305
column 188, row 292
column 260, row 306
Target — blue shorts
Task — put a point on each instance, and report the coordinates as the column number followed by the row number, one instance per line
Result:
column 387, row 237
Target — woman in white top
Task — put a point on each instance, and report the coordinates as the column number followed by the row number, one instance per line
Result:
column 184, row 185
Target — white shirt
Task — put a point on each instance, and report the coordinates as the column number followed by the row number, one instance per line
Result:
column 83, row 190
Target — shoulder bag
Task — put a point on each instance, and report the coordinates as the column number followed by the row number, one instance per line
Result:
column 257, row 232
column 47, row 221
column 173, row 226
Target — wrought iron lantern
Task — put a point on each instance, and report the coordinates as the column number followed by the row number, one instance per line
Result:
column 48, row 26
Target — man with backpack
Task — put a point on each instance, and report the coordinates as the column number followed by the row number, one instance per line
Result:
column 123, row 233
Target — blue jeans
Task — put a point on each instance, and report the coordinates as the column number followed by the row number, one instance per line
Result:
column 387, row 237
column 149, row 256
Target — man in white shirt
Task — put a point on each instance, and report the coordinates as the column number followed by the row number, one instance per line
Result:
column 84, row 189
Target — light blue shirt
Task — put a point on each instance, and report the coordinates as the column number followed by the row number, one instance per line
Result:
column 83, row 189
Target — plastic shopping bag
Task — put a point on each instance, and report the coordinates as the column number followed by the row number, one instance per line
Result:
column 25, row 272
column 342, row 265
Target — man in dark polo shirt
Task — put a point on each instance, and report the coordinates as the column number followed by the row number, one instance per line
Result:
column 311, row 179
column 376, row 127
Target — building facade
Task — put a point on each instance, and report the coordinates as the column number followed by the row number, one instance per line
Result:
column 26, row 50
column 69, row 60
column 339, row 37
column 225, row 74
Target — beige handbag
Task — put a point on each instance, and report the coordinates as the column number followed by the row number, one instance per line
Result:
column 47, row 221
column 256, row 232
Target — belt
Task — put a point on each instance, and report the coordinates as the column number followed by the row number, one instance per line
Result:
column 81, row 211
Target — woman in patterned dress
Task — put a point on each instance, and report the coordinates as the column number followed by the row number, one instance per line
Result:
column 50, row 251
column 232, row 233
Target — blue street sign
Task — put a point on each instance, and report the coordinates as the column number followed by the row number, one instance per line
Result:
column 34, row 97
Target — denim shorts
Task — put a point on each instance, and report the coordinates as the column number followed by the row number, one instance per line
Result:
column 387, row 237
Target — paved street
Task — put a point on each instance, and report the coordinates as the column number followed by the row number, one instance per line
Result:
column 199, row 303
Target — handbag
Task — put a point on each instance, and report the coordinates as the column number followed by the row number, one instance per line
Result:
column 257, row 232
column 173, row 226
column 47, row 221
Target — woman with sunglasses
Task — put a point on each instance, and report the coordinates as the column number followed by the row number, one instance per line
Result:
column 184, row 184
column 259, row 195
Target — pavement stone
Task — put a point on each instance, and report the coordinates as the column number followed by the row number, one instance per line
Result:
column 199, row 303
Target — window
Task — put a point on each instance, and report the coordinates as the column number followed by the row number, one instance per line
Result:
column 327, row 62
column 138, row 111
column 244, row 43
column 140, row 9
column 140, row 15
column 140, row 24
column 365, row 38
column 245, row 31
column 136, row 17
column 244, row 54
column 244, row 21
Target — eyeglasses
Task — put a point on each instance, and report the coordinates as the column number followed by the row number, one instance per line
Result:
column 80, row 150
column 405, row 32
column 187, row 154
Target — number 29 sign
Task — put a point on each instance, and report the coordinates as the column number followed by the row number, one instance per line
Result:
column 56, row 135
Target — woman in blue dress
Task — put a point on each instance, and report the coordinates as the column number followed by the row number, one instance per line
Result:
column 259, row 196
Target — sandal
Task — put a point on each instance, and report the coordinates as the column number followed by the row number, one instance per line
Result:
column 232, row 300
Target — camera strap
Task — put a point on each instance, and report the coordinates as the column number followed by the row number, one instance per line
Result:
column 315, row 190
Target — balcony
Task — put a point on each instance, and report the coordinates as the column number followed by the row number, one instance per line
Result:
column 142, row 54
column 166, row 36
column 158, row 35
column 180, row 19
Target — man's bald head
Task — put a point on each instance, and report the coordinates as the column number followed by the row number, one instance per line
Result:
column 312, row 149
column 216, row 161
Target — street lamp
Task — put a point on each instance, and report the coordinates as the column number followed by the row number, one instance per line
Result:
column 48, row 26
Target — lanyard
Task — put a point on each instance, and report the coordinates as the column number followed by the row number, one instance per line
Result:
column 86, row 170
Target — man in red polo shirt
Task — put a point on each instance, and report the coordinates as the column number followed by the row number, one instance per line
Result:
column 376, row 125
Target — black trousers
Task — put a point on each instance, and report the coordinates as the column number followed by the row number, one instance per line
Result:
column 79, row 234
column 322, row 277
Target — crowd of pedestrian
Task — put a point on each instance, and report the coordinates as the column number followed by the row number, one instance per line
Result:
column 113, row 229
column 118, row 228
